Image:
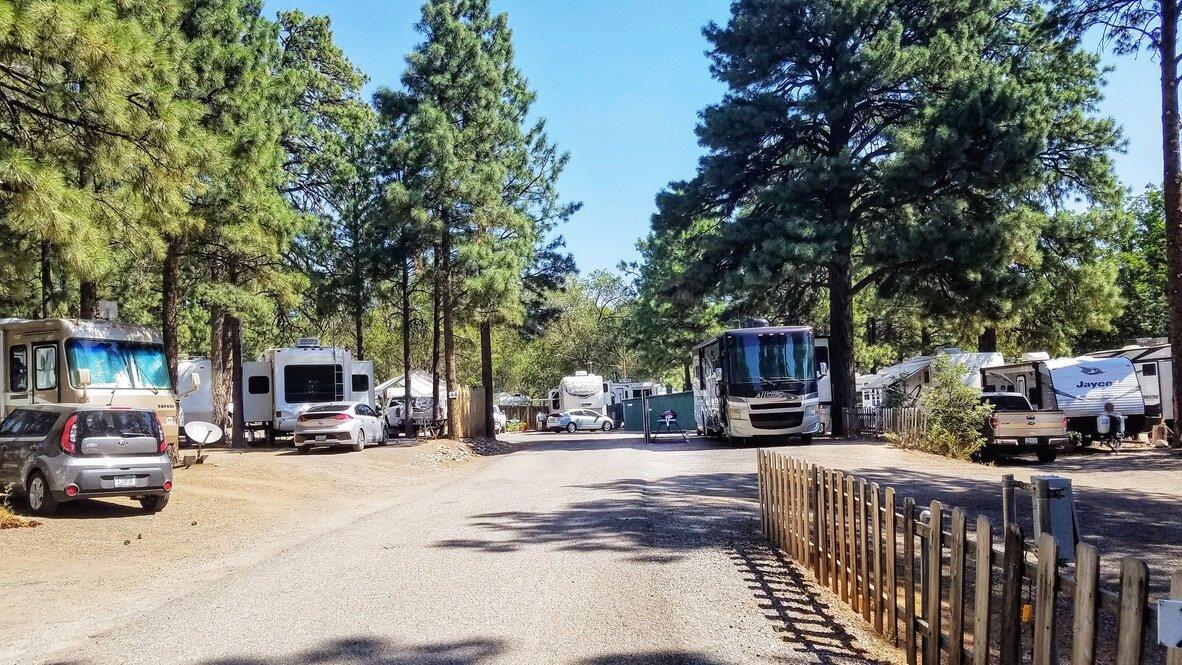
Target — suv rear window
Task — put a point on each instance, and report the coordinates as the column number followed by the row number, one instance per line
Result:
column 116, row 423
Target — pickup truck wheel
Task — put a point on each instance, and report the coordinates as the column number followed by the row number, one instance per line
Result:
column 1046, row 455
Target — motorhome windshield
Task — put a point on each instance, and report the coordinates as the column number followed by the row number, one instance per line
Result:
column 313, row 383
column 770, row 357
column 119, row 364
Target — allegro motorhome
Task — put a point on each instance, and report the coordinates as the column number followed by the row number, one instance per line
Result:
column 278, row 387
column 75, row 361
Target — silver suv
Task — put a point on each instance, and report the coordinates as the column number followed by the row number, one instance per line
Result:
column 53, row 453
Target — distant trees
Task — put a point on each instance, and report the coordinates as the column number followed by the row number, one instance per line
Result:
column 909, row 146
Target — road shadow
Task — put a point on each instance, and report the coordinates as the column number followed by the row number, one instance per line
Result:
column 805, row 621
column 652, row 520
column 380, row 651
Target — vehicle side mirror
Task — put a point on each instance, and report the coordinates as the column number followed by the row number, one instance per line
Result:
column 822, row 368
column 718, row 373
column 83, row 378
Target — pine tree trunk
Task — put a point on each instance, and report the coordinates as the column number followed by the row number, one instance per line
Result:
column 687, row 383
column 841, row 338
column 1172, row 190
column 87, row 299
column 358, row 304
column 170, row 275
column 46, row 281
column 234, row 326
column 925, row 340
column 987, row 340
column 486, row 378
column 447, row 303
column 407, row 408
column 435, row 410
column 218, row 369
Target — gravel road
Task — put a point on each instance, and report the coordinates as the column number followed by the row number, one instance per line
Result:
column 589, row 548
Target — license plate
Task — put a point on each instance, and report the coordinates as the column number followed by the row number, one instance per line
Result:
column 124, row 481
column 1032, row 440
column 320, row 437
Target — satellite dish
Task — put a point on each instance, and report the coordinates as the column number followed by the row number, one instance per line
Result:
column 202, row 432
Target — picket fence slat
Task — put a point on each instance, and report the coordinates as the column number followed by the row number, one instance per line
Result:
column 846, row 531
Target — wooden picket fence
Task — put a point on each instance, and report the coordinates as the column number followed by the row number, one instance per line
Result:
column 876, row 421
column 908, row 580
column 469, row 406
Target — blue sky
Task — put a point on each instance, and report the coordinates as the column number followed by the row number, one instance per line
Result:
column 621, row 82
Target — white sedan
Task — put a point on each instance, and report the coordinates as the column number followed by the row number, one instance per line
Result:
column 353, row 424
column 577, row 419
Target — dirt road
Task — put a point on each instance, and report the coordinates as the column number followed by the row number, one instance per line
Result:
column 587, row 548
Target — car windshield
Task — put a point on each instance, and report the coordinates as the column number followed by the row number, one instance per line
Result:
column 771, row 356
column 328, row 408
column 119, row 364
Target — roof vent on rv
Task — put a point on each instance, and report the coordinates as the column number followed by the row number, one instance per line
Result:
column 307, row 342
column 581, row 372
column 753, row 323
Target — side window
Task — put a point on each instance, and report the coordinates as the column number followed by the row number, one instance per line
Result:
column 364, row 410
column 258, row 385
column 18, row 369
column 1149, row 369
column 45, row 367
column 360, row 383
column 38, row 423
column 13, row 423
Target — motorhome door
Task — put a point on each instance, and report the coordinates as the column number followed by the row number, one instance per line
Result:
column 258, row 403
column 362, row 382
column 1149, row 379
column 16, row 376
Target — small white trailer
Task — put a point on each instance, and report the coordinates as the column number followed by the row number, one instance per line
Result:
column 1155, row 371
column 581, row 391
column 282, row 383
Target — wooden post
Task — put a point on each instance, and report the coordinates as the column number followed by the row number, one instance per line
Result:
column 789, row 516
column 852, row 543
column 831, row 541
column 1042, row 501
column 935, row 573
column 815, row 529
column 892, row 563
column 842, row 574
column 777, row 524
column 1046, row 584
column 983, row 588
column 876, row 543
column 1134, row 590
column 761, row 487
column 1008, row 512
column 956, row 561
column 909, row 581
column 863, row 551
column 1010, row 628
column 1087, row 569
column 1174, row 655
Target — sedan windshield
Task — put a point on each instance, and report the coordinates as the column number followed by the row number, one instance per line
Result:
column 119, row 364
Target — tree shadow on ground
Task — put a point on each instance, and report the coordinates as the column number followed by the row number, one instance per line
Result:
column 380, row 651
column 805, row 621
column 652, row 520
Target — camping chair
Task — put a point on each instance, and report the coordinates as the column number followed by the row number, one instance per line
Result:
column 667, row 424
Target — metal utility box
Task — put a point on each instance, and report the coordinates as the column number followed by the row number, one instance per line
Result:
column 1054, row 512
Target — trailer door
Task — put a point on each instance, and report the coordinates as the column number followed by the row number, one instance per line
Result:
column 258, row 402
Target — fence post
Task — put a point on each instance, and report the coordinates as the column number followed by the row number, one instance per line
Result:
column 1008, row 512
column 1087, row 568
column 892, row 599
column 818, row 513
column 1046, row 584
column 935, row 573
column 983, row 588
column 863, row 551
column 761, row 485
column 956, row 561
column 876, row 542
column 852, row 543
column 842, row 575
column 1010, row 628
column 909, row 580
column 830, row 526
column 1133, row 596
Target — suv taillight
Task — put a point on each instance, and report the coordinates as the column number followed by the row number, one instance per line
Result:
column 161, row 441
column 69, row 440
column 993, row 422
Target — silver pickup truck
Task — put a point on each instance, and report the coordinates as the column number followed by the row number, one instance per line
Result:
column 1016, row 427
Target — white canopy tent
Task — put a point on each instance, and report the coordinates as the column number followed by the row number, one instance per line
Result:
column 420, row 386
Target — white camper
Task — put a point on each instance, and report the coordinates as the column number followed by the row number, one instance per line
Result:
column 1079, row 387
column 278, row 387
column 196, row 403
column 581, row 391
column 618, row 391
column 1155, row 371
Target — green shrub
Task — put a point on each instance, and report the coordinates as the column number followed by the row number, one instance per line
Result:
column 953, row 414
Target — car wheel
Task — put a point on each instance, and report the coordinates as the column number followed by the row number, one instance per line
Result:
column 571, row 427
column 40, row 497
column 1046, row 455
column 359, row 441
column 154, row 504
column 303, row 450
column 607, row 426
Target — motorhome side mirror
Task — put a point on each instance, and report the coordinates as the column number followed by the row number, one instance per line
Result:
column 823, row 368
column 83, row 378
column 718, row 373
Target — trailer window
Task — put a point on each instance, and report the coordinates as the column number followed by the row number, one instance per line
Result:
column 45, row 367
column 18, row 369
column 1149, row 369
column 312, row 383
column 360, row 383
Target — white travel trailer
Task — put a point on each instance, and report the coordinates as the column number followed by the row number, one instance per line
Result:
column 618, row 391
column 284, row 382
column 1155, row 371
column 581, row 391
column 1080, row 387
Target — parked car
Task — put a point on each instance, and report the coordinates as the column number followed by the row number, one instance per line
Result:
column 499, row 419
column 53, row 453
column 1016, row 427
column 577, row 419
column 353, row 424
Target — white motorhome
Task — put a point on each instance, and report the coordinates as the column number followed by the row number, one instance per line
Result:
column 1079, row 387
column 1155, row 371
column 759, row 381
column 278, row 387
column 581, row 391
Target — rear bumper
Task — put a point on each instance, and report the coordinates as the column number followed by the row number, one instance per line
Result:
column 96, row 477
column 1020, row 442
column 332, row 437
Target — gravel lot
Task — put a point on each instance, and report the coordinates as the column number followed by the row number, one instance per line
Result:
column 1129, row 503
